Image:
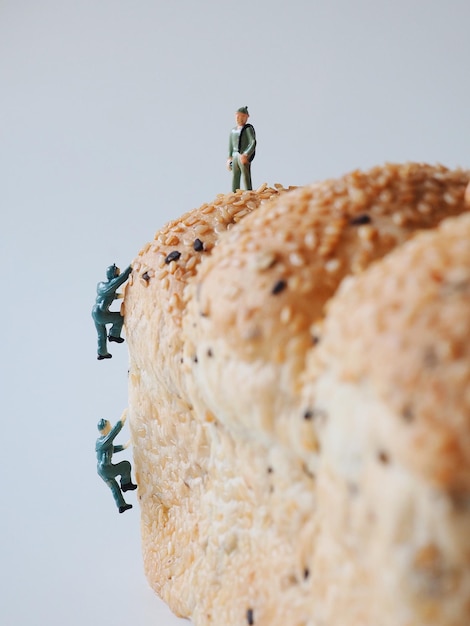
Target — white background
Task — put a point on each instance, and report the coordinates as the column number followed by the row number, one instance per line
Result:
column 114, row 119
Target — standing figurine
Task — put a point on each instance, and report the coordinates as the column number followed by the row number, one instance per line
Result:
column 105, row 294
column 241, row 149
column 108, row 472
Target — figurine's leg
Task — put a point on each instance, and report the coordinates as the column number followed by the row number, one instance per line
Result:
column 102, row 345
column 117, row 495
column 108, row 473
column 246, row 173
column 236, row 173
column 124, row 470
column 115, row 332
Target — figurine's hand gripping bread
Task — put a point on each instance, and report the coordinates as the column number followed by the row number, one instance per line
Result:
column 259, row 437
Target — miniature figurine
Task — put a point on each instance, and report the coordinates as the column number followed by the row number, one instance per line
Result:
column 241, row 149
column 105, row 294
column 108, row 472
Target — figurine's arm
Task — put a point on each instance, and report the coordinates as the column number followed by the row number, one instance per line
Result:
column 115, row 283
column 122, row 447
column 115, row 430
column 250, row 135
column 108, row 289
column 121, row 423
column 228, row 163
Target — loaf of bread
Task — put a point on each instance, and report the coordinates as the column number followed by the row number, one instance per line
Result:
column 300, row 407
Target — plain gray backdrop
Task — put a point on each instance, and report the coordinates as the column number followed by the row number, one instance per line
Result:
column 114, row 119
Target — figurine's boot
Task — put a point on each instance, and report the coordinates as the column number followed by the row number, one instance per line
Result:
column 115, row 330
column 116, row 339
column 124, row 469
column 102, row 345
column 118, row 499
column 128, row 486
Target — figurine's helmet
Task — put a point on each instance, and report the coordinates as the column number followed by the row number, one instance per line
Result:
column 112, row 271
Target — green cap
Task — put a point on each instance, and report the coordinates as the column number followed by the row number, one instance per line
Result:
column 243, row 110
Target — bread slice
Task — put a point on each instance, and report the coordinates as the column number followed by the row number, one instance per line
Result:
column 257, row 503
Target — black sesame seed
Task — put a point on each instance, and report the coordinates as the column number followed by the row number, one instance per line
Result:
column 459, row 500
column 430, row 357
column 270, row 470
column 209, row 352
column 407, row 414
column 306, row 573
column 359, row 220
column 278, row 287
column 173, row 256
column 455, row 286
column 383, row 457
column 198, row 245
column 317, row 414
column 145, row 276
column 353, row 489
column 306, row 471
column 315, row 340
column 195, row 359
column 250, row 617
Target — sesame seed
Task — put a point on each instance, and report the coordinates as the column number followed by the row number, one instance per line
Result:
column 383, row 457
column 173, row 256
column 278, row 287
column 332, row 265
column 359, row 220
column 171, row 240
column 407, row 413
column 265, row 260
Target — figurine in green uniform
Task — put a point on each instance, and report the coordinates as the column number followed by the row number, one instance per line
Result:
column 241, row 150
column 105, row 294
column 108, row 472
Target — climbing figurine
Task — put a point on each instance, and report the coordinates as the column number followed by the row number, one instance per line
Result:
column 241, row 149
column 107, row 470
column 105, row 295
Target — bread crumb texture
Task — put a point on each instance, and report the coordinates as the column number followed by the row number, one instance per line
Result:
column 299, row 402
